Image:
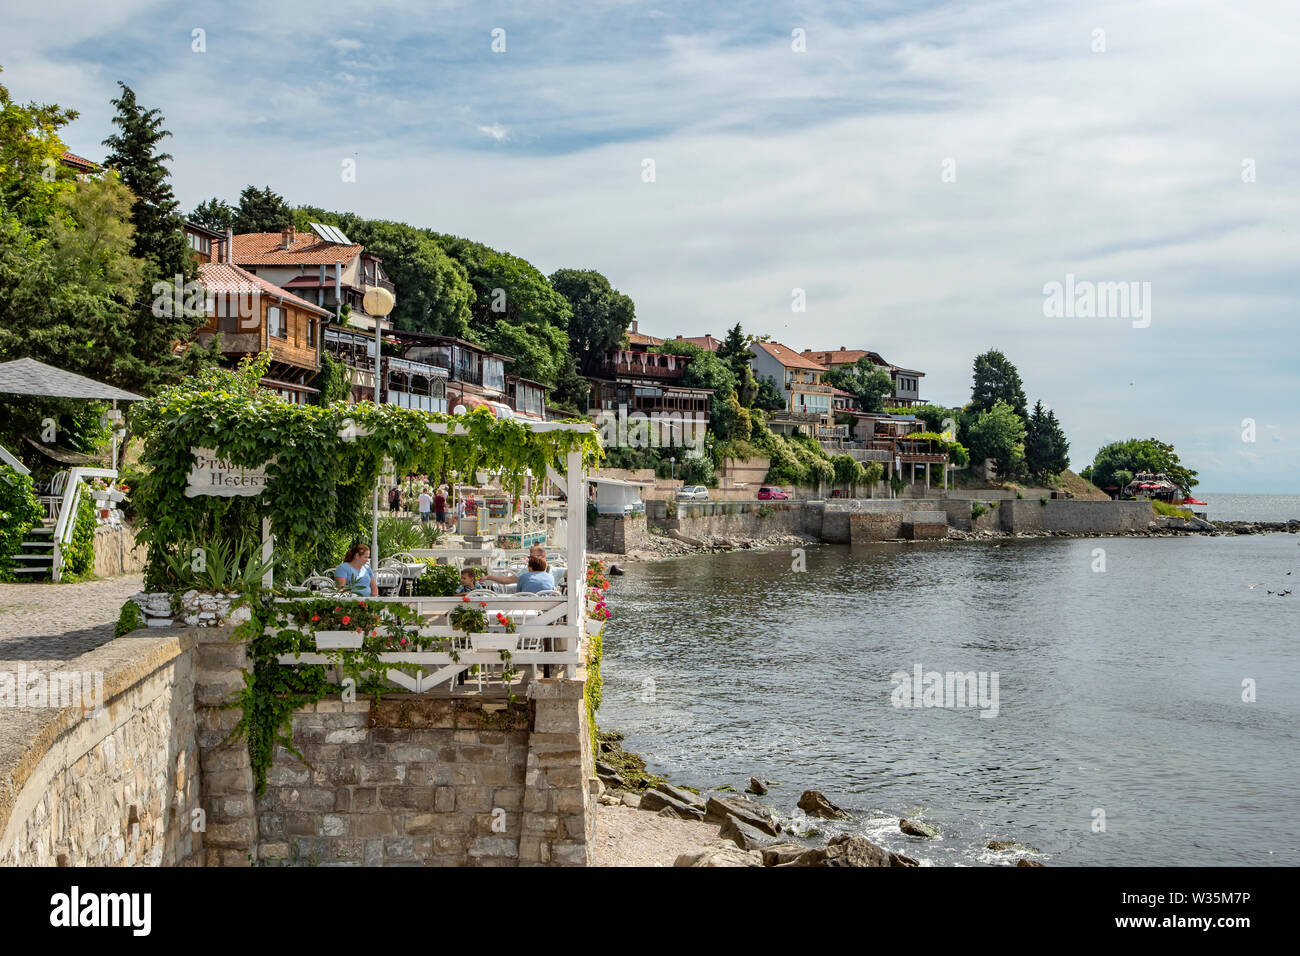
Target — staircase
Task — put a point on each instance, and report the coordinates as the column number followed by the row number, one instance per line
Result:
column 36, row 559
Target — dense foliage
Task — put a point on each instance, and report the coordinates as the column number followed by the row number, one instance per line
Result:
column 999, row 434
column 1117, row 463
column 869, row 383
column 997, row 380
column 1047, row 451
column 322, row 464
column 19, row 512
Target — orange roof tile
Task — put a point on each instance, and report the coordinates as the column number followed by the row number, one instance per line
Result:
column 637, row 338
column 307, row 248
column 788, row 357
column 223, row 278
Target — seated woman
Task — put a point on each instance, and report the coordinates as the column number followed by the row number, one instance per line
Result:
column 535, row 579
column 355, row 574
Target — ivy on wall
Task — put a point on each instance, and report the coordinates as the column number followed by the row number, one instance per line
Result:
column 321, row 461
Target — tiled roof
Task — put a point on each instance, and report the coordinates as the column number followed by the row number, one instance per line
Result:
column 788, row 357
column 223, row 278
column 70, row 158
column 705, row 341
column 843, row 357
column 636, row 338
column 307, row 248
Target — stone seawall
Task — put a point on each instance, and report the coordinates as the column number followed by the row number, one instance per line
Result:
column 114, row 785
column 433, row 782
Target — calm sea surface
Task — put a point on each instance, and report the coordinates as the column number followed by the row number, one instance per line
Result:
column 1119, row 691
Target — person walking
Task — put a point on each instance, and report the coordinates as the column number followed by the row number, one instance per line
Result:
column 426, row 502
column 440, row 505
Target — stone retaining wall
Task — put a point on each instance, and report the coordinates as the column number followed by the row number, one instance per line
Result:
column 113, row 785
column 116, row 551
column 611, row 535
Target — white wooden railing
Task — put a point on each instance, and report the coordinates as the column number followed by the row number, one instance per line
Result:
column 549, row 638
column 65, row 524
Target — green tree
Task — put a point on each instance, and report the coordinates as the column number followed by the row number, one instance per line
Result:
column 601, row 315
column 869, row 383
column 1140, row 454
column 769, row 397
column 143, row 352
column 433, row 293
column 706, row 370
column 1047, row 452
column 261, row 210
column 134, row 152
column 999, row 434
column 996, row 380
column 214, row 214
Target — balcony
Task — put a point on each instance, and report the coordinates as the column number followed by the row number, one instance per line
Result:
column 637, row 370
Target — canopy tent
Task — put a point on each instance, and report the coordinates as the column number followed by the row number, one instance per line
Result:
column 30, row 377
column 27, row 376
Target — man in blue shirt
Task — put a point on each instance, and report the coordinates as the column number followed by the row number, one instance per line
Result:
column 535, row 579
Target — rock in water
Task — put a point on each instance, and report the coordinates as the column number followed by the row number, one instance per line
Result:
column 743, row 809
column 756, row 786
column 815, row 805
column 1023, row 862
column 917, row 828
column 745, row 836
column 615, row 570
column 1011, row 845
column 655, row 801
column 849, row 850
column 720, row 855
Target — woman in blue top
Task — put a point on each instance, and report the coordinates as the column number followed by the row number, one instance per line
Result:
column 535, row 579
column 355, row 574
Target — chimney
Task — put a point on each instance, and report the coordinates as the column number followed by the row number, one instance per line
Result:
column 841, row 348
column 230, row 246
column 633, row 329
column 287, row 236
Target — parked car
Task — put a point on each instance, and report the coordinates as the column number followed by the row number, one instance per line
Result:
column 772, row 494
column 692, row 493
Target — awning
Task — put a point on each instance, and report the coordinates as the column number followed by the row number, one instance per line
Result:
column 30, row 377
column 466, row 402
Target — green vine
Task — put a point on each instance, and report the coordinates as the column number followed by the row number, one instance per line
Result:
column 79, row 555
column 130, row 619
column 321, row 461
column 19, row 512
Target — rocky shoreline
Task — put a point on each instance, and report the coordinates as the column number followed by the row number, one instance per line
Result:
column 662, row 546
column 749, row 833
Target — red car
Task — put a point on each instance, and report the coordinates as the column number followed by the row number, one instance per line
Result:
column 772, row 494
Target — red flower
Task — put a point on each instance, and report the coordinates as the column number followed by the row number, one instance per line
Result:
column 315, row 617
column 346, row 620
column 465, row 599
column 362, row 603
column 482, row 603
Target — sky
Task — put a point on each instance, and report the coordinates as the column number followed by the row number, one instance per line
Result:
column 918, row 173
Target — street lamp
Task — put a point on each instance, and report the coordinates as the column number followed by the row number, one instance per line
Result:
column 377, row 303
column 672, row 460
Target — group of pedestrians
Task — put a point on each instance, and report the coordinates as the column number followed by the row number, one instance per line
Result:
column 432, row 504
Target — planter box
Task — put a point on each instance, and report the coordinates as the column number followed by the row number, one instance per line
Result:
column 338, row 640
column 494, row 642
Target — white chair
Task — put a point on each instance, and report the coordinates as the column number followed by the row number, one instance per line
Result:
column 387, row 580
column 319, row 582
column 548, row 593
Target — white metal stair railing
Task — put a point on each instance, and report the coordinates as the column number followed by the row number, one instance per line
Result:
column 68, row 502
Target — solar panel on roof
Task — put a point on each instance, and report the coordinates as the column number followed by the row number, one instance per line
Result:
column 342, row 238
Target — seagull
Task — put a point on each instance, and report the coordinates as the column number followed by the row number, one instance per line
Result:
column 1285, row 593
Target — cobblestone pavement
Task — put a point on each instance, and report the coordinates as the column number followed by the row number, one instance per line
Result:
column 60, row 622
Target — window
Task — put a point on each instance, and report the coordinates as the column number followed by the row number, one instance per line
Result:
column 311, row 333
column 275, row 321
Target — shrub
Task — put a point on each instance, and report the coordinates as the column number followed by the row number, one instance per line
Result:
column 79, row 555
column 129, row 620
column 19, row 512
column 438, row 580
column 976, row 510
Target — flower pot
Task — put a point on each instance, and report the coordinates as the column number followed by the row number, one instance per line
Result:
column 494, row 642
column 116, row 496
column 338, row 640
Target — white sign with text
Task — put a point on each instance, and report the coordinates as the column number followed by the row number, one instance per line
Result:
column 211, row 475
